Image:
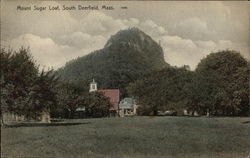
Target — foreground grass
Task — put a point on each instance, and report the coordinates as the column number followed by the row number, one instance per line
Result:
column 181, row 137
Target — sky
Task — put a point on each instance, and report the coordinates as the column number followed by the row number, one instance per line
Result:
column 187, row 31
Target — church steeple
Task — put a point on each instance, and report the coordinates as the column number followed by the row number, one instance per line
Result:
column 93, row 86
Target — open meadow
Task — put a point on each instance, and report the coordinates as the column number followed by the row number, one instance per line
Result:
column 181, row 137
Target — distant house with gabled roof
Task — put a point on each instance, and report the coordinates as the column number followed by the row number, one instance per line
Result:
column 127, row 107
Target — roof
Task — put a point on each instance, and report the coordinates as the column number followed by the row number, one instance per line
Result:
column 127, row 103
column 93, row 82
column 80, row 109
column 113, row 95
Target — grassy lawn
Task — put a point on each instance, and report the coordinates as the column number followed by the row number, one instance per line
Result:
column 181, row 137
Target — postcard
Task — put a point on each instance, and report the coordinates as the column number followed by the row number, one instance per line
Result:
column 128, row 79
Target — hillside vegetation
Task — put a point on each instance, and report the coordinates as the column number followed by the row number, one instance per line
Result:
column 126, row 57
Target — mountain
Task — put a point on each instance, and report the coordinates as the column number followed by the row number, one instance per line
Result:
column 127, row 55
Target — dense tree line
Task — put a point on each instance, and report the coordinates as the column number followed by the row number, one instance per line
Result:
column 219, row 85
column 71, row 96
column 28, row 91
column 161, row 90
column 24, row 89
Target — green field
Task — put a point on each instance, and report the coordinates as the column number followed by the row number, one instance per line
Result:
column 182, row 137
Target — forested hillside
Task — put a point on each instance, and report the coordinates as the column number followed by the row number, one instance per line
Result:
column 126, row 56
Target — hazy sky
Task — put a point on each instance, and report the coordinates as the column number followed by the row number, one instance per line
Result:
column 188, row 31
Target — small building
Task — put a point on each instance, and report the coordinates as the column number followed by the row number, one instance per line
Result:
column 127, row 107
column 112, row 94
column 190, row 112
column 45, row 117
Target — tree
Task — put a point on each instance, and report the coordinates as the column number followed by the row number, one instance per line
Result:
column 70, row 97
column 228, row 72
column 199, row 93
column 24, row 90
column 42, row 94
column 161, row 90
column 220, row 84
column 97, row 105
column 18, row 71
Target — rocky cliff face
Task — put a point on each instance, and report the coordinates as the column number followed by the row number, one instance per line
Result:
column 141, row 43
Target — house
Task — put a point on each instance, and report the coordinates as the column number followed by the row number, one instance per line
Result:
column 112, row 94
column 190, row 112
column 127, row 107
